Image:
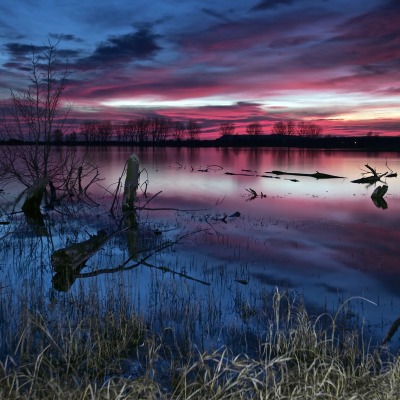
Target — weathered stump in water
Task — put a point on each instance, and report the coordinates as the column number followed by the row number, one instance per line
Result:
column 380, row 191
column 377, row 197
column 33, row 199
column 128, row 204
column 69, row 261
column 131, row 183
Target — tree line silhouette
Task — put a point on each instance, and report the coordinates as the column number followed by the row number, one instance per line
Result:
column 140, row 130
column 160, row 129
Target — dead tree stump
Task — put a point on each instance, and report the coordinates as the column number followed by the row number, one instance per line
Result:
column 131, row 183
column 34, row 196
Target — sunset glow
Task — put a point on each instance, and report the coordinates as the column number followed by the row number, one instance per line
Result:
column 335, row 63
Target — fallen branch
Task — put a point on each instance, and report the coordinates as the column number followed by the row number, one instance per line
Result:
column 232, row 173
column 236, row 214
column 391, row 332
column 375, row 177
column 254, row 194
column 392, row 174
column 143, row 261
column 117, row 190
column 77, row 254
column 181, row 274
column 316, row 175
column 212, row 167
column 69, row 262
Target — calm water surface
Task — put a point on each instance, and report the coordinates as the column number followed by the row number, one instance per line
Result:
column 324, row 240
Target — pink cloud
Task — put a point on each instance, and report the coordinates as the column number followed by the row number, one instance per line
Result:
column 270, row 63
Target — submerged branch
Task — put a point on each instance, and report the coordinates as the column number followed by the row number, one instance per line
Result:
column 375, row 177
column 316, row 175
column 181, row 274
column 232, row 173
column 171, row 209
column 254, row 194
column 393, row 329
column 117, row 190
column 69, row 262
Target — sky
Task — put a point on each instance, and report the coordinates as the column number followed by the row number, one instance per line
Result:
column 333, row 62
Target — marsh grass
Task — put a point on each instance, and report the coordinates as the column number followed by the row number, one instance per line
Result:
column 116, row 338
column 102, row 350
column 303, row 360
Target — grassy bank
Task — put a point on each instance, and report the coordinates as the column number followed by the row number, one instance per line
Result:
column 87, row 349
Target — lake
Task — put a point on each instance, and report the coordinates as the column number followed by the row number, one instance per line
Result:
column 220, row 232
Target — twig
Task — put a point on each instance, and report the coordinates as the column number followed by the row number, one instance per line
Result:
column 171, row 209
column 143, row 261
column 145, row 183
column 181, row 274
column 392, row 331
column 148, row 201
column 387, row 166
column 117, row 189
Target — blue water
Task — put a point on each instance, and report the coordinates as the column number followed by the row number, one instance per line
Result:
column 321, row 240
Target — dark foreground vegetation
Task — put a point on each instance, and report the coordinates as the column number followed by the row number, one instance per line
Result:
column 108, row 353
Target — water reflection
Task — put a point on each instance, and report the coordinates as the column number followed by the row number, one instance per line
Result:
column 325, row 239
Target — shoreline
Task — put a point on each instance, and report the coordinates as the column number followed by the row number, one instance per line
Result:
column 360, row 143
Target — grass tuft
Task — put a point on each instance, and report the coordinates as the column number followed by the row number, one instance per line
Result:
column 108, row 353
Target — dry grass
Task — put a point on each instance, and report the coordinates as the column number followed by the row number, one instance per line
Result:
column 109, row 354
column 300, row 362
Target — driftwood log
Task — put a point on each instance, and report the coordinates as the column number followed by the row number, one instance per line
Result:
column 69, row 261
column 316, row 175
column 374, row 177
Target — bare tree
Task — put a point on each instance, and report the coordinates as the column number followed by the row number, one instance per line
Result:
column 72, row 137
column 166, row 129
column 254, row 129
column 118, row 132
column 104, row 130
column 302, row 128
column 290, row 128
column 193, row 129
column 160, row 129
column 284, row 128
column 58, row 136
column 33, row 117
column 88, row 130
column 309, row 129
column 227, row 128
column 315, row 130
column 279, row 128
column 143, row 126
column 178, row 130
column 130, row 131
